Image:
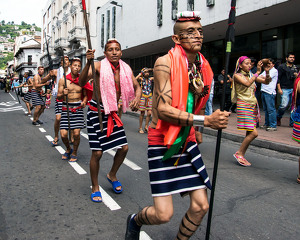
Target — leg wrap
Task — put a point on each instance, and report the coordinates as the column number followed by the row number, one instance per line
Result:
column 142, row 217
column 186, row 228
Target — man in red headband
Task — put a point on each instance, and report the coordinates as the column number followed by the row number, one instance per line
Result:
column 182, row 79
column 77, row 99
column 115, row 80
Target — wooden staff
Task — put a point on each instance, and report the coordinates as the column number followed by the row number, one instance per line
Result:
column 95, row 83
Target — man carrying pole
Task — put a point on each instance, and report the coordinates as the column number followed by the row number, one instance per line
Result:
column 115, row 77
column 182, row 79
column 72, row 117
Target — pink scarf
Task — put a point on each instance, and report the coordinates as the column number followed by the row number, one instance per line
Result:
column 108, row 87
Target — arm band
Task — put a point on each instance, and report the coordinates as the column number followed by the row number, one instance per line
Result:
column 198, row 120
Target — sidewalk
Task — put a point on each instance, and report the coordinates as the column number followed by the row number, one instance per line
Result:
column 280, row 140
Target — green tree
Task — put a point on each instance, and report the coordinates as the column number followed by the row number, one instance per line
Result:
column 4, row 60
column 3, row 22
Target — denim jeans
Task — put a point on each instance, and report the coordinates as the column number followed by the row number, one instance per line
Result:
column 285, row 100
column 209, row 107
column 268, row 101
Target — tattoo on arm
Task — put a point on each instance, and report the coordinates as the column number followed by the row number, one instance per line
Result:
column 179, row 117
column 187, row 120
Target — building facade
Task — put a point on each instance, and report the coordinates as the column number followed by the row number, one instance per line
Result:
column 27, row 54
column 263, row 28
column 64, row 29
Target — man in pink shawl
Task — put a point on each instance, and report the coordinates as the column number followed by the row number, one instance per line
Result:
column 115, row 79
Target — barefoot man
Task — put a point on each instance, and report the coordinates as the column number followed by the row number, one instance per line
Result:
column 77, row 100
column 115, row 78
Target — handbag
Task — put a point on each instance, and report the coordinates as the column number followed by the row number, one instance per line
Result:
column 24, row 89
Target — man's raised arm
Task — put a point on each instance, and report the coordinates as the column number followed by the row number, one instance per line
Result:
column 86, row 73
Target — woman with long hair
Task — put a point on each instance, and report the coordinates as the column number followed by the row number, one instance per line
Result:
column 243, row 92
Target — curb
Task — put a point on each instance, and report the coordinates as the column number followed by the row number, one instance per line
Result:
column 261, row 143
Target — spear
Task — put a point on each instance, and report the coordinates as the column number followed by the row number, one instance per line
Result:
column 95, row 83
column 229, row 40
column 67, row 99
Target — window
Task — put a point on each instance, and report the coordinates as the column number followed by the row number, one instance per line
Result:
column 107, row 25
column 174, row 9
column 159, row 12
column 210, row 3
column 113, row 31
column 102, row 30
column 29, row 59
column 190, row 5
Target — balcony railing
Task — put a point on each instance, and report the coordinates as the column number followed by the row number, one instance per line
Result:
column 61, row 42
column 76, row 33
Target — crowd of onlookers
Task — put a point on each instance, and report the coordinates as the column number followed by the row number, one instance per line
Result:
column 283, row 76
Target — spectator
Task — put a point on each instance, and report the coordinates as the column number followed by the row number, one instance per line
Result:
column 268, row 94
column 229, row 80
column 287, row 73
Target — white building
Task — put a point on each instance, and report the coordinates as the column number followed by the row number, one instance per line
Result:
column 63, row 24
column 264, row 28
column 27, row 54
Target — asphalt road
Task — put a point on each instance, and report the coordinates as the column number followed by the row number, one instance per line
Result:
column 43, row 197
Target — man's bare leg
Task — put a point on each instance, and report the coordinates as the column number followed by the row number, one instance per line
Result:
column 94, row 171
column 56, row 126
column 64, row 138
column 193, row 217
column 28, row 107
column 141, row 121
column 41, row 111
column 76, row 135
column 118, row 160
column 36, row 113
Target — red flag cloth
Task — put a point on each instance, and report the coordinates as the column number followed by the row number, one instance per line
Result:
column 83, row 5
column 88, row 87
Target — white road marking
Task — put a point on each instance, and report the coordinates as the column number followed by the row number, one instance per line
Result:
column 127, row 162
column 31, row 118
column 17, row 108
column 42, row 130
column 60, row 149
column 78, row 168
column 12, row 96
column 144, row 236
column 108, row 201
column 49, row 138
column 84, row 135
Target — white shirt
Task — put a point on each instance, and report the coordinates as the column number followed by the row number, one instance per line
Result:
column 59, row 75
column 271, row 87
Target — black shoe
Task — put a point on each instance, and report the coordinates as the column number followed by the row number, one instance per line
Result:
column 35, row 123
column 38, row 121
column 131, row 234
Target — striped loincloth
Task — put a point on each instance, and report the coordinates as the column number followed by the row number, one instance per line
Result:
column 76, row 116
column 98, row 140
column 145, row 104
column 166, row 179
column 27, row 96
column 58, row 106
column 36, row 98
column 246, row 116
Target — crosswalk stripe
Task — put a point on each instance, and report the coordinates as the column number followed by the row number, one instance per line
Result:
column 49, row 138
column 12, row 96
column 144, row 236
column 108, row 201
column 78, row 168
column 42, row 130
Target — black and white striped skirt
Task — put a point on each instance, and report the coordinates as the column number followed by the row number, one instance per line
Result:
column 36, row 98
column 98, row 140
column 76, row 117
column 166, row 179
column 58, row 106
column 27, row 96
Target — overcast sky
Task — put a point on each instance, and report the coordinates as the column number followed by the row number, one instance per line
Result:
column 29, row 11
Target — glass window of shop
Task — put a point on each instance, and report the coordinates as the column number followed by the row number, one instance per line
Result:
column 292, row 41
